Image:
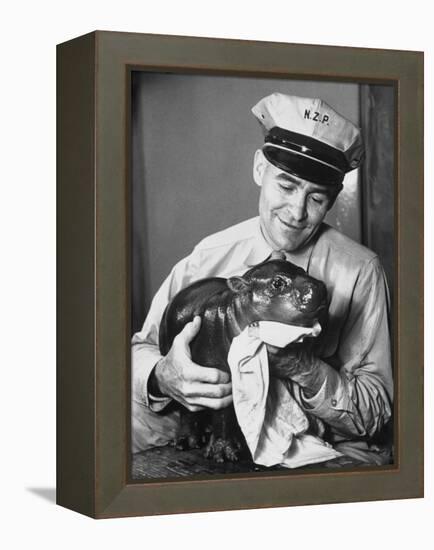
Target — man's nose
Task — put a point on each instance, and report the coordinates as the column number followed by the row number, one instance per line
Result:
column 297, row 207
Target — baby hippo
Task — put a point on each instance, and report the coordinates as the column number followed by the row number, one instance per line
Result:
column 275, row 290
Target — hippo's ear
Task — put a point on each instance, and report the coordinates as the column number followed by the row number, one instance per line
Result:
column 237, row 284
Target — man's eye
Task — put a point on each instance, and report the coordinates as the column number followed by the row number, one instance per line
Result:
column 317, row 199
column 278, row 283
column 286, row 187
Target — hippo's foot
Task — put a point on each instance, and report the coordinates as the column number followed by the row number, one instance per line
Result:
column 222, row 449
column 194, row 431
column 188, row 442
column 226, row 443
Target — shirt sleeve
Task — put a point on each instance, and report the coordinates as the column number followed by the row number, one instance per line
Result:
column 355, row 398
column 145, row 351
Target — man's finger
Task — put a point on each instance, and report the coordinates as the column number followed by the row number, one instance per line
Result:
column 215, row 391
column 273, row 349
column 211, row 403
column 208, row 375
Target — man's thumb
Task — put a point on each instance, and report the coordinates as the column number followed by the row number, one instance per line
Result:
column 190, row 330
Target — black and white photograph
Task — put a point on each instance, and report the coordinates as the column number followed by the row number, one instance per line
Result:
column 262, row 262
column 217, row 294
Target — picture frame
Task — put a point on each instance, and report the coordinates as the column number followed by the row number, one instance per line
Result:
column 94, row 256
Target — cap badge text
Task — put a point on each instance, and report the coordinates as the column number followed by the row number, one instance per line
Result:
column 316, row 116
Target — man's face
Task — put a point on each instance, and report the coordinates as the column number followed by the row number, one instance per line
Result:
column 291, row 209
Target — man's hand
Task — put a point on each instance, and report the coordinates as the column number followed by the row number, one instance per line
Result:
column 192, row 385
column 298, row 363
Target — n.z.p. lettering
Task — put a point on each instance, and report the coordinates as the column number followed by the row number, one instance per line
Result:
column 316, row 116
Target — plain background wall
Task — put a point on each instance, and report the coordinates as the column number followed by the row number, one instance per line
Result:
column 27, row 353
column 194, row 138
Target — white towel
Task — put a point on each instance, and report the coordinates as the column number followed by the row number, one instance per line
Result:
column 272, row 421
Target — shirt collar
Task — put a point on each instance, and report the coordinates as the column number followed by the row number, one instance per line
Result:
column 261, row 251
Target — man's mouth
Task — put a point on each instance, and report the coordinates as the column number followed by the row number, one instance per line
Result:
column 291, row 226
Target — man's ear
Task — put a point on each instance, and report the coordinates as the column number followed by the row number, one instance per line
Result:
column 259, row 164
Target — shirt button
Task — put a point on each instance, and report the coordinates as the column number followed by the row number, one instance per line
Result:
column 334, row 402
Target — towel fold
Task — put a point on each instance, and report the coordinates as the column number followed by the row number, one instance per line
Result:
column 272, row 421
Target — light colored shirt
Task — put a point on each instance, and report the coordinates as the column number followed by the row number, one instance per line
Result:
column 356, row 396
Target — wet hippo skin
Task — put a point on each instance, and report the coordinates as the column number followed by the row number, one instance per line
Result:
column 275, row 290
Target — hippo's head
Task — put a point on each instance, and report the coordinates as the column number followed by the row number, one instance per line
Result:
column 282, row 292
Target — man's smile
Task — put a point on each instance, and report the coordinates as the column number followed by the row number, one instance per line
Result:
column 294, row 227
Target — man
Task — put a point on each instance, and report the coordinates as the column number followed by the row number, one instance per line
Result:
column 347, row 388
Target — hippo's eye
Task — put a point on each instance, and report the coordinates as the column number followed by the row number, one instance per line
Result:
column 278, row 283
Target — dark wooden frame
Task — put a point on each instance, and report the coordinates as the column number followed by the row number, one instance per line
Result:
column 93, row 273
